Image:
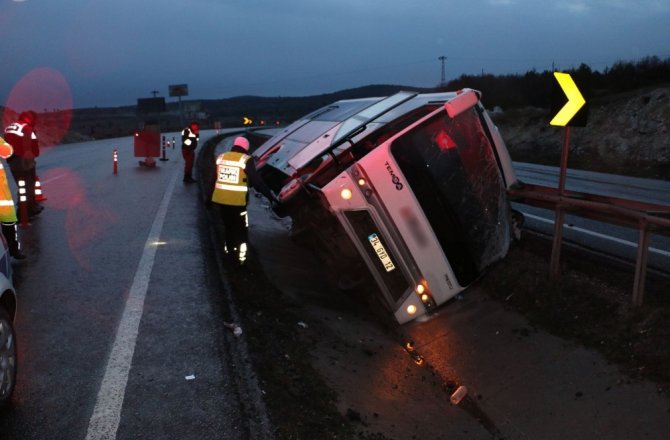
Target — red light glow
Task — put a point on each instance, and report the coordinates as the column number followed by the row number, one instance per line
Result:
column 444, row 141
column 46, row 92
column 86, row 221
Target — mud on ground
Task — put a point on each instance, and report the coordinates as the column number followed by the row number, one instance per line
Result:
column 590, row 304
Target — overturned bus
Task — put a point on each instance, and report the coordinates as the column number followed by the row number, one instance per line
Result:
column 417, row 182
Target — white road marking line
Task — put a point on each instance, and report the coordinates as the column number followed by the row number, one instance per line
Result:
column 599, row 235
column 52, row 178
column 107, row 412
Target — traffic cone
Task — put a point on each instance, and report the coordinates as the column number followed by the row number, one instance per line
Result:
column 39, row 196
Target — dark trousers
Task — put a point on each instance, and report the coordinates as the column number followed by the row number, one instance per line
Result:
column 10, row 233
column 236, row 231
column 189, row 156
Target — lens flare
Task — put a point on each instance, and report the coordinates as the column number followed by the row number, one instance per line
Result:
column 46, row 92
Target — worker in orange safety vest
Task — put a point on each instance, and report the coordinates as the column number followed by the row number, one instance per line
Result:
column 235, row 172
column 8, row 217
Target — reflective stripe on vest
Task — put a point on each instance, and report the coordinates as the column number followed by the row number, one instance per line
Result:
column 16, row 128
column 7, row 208
column 188, row 139
column 231, row 186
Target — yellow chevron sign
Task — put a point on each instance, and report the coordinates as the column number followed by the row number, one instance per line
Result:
column 247, row 121
column 575, row 100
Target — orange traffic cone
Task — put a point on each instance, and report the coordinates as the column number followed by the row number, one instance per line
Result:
column 39, row 196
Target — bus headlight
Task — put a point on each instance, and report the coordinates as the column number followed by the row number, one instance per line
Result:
column 346, row 194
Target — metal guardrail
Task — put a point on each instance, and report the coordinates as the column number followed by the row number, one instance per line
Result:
column 646, row 217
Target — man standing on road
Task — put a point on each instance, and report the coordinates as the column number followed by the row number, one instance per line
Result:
column 189, row 141
column 22, row 137
column 235, row 172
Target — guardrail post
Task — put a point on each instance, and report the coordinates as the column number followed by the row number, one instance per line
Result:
column 641, row 264
column 115, row 158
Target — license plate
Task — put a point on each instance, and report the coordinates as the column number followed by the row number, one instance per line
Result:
column 381, row 252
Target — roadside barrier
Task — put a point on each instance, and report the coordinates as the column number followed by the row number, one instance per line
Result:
column 163, row 157
column 23, row 203
column 645, row 217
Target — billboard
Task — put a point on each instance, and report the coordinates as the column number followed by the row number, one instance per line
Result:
column 150, row 105
column 178, row 90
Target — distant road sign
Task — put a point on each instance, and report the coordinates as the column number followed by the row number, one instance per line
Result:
column 575, row 101
column 247, row 121
column 178, row 90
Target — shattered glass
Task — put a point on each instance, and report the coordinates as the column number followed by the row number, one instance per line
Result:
column 452, row 169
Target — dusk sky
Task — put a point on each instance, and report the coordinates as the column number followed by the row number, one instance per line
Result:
column 86, row 53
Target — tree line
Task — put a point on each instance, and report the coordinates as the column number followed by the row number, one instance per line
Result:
column 534, row 88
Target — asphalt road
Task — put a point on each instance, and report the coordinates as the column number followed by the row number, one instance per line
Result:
column 118, row 276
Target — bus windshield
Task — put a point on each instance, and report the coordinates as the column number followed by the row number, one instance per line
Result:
column 452, row 170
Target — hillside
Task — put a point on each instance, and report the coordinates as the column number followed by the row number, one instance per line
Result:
column 98, row 123
column 626, row 133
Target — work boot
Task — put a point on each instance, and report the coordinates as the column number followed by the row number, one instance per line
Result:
column 18, row 255
column 15, row 250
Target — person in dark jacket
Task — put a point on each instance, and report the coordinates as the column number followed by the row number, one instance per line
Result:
column 21, row 135
column 189, row 142
column 235, row 173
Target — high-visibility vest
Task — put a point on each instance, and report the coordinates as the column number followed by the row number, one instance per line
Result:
column 7, row 208
column 189, row 138
column 16, row 128
column 231, row 186
column 26, row 147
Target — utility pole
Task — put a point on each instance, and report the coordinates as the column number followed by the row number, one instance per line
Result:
column 443, row 81
column 155, row 92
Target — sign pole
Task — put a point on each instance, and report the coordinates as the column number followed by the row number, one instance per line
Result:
column 181, row 115
column 563, row 119
column 179, row 90
column 564, row 160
